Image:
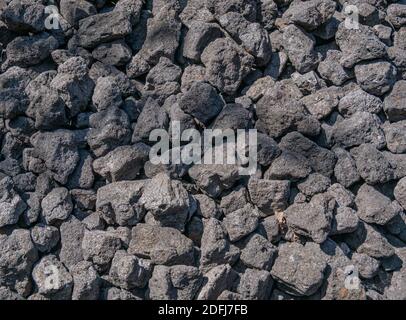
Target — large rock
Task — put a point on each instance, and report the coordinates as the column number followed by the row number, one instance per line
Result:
column 165, row 246
column 224, row 52
column 312, row 219
column 103, row 27
column 395, row 102
column 168, row 202
column 17, row 257
column 374, row 207
column 119, row 202
column 299, row 269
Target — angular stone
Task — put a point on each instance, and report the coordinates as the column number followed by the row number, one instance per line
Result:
column 17, row 257
column 224, row 52
column 241, row 222
column 312, row 219
column 215, row 247
column 258, row 253
column 395, row 102
column 57, row 205
column 119, row 202
column 372, row 165
column 374, row 207
column 129, row 272
column 52, row 279
column 300, row 48
column 165, row 246
column 359, row 100
column 358, row 44
column 269, row 196
column 168, row 202
column 299, row 269
column 86, row 282
column 174, row 283
column 376, row 77
column 99, row 247
column 202, row 102
column 103, row 27
column 255, row 285
column 361, row 127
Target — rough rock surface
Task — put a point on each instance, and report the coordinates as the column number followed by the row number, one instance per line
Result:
column 108, row 185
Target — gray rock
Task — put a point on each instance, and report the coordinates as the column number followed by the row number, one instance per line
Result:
column 157, row 43
column 358, row 44
column 165, row 246
column 395, row 102
column 367, row 267
column 361, row 127
column 299, row 269
column 343, row 197
column 395, row 137
column 255, row 285
column 368, row 240
column 199, row 35
column 223, row 52
column 86, row 282
column 321, row 160
column 74, row 11
column 372, row 165
column 174, row 283
column 214, row 179
column 116, row 53
column 11, row 204
column 241, row 222
column 359, row 100
column 99, row 248
column 321, row 103
column 400, row 192
column 345, row 169
column 288, row 166
column 331, row 69
column 216, row 281
column 152, row 117
column 103, row 27
column 269, row 195
column 309, row 14
column 202, row 102
column 74, row 84
column 215, row 247
column 235, row 200
column 314, row 183
column 17, row 257
column 45, row 237
column 119, row 202
column 27, row 51
column 57, row 205
column 374, row 207
column 206, row 207
column 375, row 77
column 123, row 163
column 311, row 219
column 129, row 272
column 110, row 129
column 72, row 232
column 168, row 202
column 396, row 14
column 24, row 16
column 52, row 279
column 345, row 221
column 258, row 253
column 300, row 48
column 253, row 38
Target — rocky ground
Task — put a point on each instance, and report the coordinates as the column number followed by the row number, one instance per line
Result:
column 84, row 214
